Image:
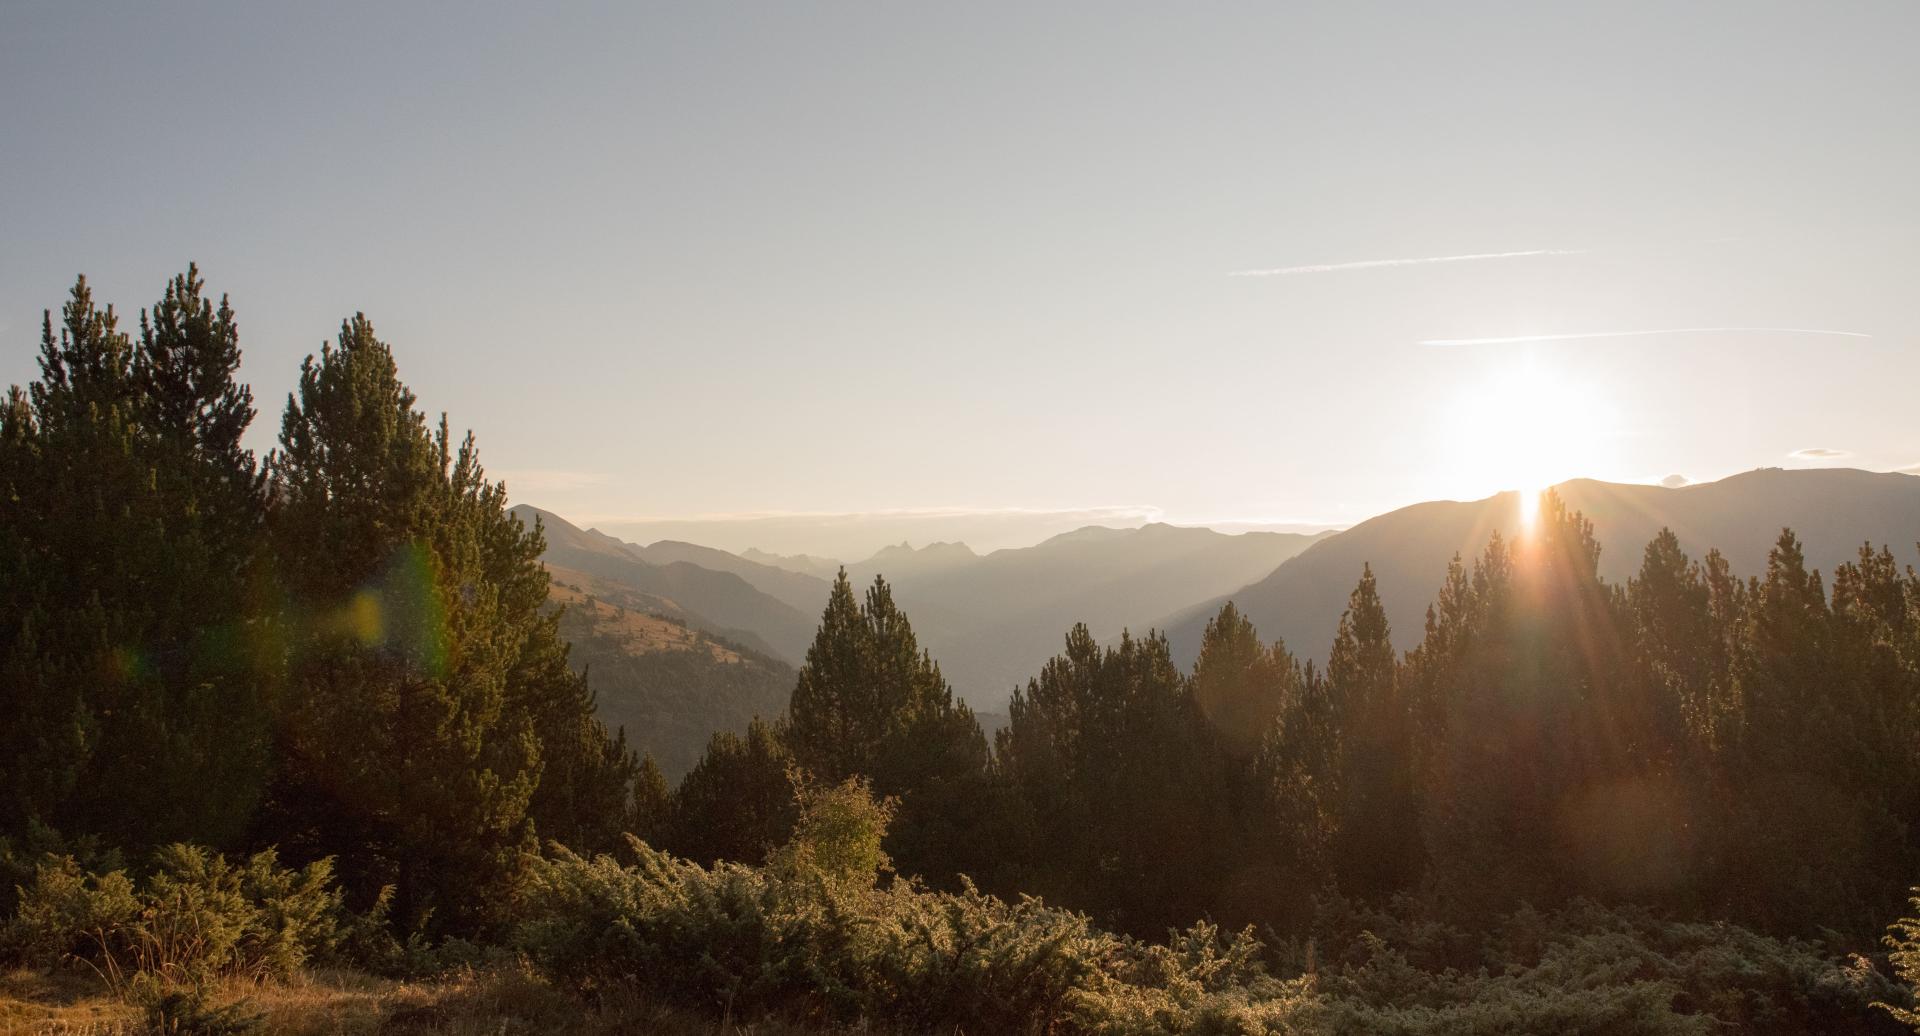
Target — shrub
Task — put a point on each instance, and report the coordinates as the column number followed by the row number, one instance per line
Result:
column 811, row 937
column 1903, row 940
column 837, row 831
column 1586, row 968
column 21, row 857
column 198, row 915
column 751, row 942
column 66, row 912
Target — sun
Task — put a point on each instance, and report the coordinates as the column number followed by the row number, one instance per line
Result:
column 1523, row 425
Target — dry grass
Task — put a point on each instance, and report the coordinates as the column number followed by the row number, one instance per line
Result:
column 621, row 614
column 497, row 1002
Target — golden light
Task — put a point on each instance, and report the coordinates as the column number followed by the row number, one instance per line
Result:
column 1529, row 507
column 1521, row 427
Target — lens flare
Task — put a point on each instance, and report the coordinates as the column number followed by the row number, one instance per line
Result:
column 1529, row 500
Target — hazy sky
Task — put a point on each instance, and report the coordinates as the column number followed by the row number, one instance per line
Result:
column 1192, row 262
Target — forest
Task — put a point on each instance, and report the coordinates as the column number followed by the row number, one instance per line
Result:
column 284, row 719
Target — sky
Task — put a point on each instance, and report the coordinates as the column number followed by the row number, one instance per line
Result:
column 816, row 277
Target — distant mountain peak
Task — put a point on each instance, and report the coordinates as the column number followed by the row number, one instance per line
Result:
column 941, row 550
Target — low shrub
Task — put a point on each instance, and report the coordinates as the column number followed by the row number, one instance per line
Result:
column 747, row 942
column 1586, row 968
column 1903, row 943
column 196, row 916
column 817, row 946
column 22, row 854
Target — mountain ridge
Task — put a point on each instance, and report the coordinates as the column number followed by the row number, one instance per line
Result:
column 1832, row 510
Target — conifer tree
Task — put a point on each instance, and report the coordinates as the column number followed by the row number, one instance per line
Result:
column 1378, row 846
column 429, row 694
column 869, row 702
column 1301, row 790
column 1785, row 664
column 1808, row 762
column 1679, row 677
column 737, row 801
column 1108, row 752
column 1239, row 684
column 138, row 669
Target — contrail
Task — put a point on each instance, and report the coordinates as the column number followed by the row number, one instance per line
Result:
column 1374, row 264
column 1645, row 334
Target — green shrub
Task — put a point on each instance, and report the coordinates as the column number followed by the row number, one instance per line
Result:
column 66, row 912
column 837, row 832
column 1586, row 968
column 812, row 937
column 21, row 857
column 749, row 942
column 1903, row 942
column 198, row 915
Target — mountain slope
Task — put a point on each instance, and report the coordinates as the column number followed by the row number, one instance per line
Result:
column 805, row 593
column 1833, row 511
column 668, row 686
column 719, row 602
column 992, row 621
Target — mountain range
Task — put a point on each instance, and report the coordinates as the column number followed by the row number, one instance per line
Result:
column 991, row 620
column 1832, row 510
column 685, row 639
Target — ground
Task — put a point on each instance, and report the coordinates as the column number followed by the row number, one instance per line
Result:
column 503, row 1001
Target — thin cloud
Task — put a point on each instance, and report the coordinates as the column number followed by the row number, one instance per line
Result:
column 1586, row 335
column 1819, row 453
column 1377, row 264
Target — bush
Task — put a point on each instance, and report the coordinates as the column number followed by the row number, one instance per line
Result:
column 21, row 857
column 65, row 912
column 197, row 916
column 1586, row 968
column 1903, row 942
column 837, row 832
column 749, row 942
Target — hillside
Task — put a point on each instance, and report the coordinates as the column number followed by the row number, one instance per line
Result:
column 1833, row 510
column 717, row 602
column 669, row 686
column 806, row 593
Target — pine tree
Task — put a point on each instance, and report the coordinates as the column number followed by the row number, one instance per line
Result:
column 833, row 719
column 1301, row 787
column 429, row 693
column 1124, row 785
column 737, row 801
column 1378, row 846
column 1786, row 663
column 134, row 642
column 1680, row 680
column 1812, row 764
column 1239, row 684
column 869, row 702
